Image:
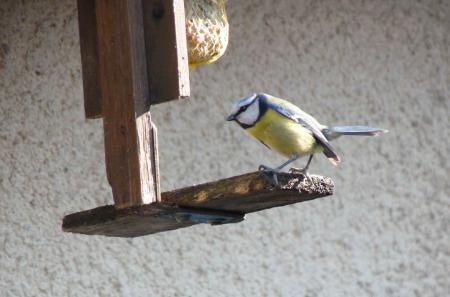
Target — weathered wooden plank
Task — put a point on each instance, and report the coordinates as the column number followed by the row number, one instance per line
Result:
column 87, row 23
column 128, row 222
column 129, row 145
column 166, row 50
column 250, row 192
column 231, row 197
column 134, row 221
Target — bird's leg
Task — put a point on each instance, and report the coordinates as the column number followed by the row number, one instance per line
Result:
column 292, row 159
column 276, row 170
column 303, row 170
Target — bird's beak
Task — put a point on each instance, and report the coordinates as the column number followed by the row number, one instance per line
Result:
column 231, row 117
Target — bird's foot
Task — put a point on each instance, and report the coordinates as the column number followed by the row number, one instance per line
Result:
column 265, row 168
column 274, row 172
column 303, row 171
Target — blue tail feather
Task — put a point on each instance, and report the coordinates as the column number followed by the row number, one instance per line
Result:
column 335, row 132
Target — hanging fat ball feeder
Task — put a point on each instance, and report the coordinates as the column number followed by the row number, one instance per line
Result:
column 206, row 31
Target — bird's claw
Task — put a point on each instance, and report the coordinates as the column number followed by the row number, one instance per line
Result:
column 274, row 172
column 302, row 171
column 264, row 168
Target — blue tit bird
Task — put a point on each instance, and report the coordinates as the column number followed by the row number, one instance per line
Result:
column 286, row 129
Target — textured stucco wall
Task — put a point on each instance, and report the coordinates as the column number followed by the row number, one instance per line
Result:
column 384, row 233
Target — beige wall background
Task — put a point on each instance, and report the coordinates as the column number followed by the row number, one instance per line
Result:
column 384, row 233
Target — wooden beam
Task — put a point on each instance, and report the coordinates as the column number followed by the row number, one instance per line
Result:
column 166, row 50
column 229, row 198
column 129, row 141
column 87, row 23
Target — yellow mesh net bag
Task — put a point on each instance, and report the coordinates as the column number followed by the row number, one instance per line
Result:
column 206, row 31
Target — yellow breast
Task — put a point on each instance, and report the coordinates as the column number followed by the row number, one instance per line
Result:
column 283, row 135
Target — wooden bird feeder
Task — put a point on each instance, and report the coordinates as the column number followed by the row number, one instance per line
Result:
column 134, row 55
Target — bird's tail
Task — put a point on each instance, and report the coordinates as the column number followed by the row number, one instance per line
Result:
column 335, row 132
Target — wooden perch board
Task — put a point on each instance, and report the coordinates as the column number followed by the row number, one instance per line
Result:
column 231, row 197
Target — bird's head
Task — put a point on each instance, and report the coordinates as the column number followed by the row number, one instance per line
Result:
column 247, row 111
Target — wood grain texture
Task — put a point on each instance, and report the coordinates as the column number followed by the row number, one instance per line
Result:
column 128, row 222
column 166, row 50
column 232, row 196
column 87, row 23
column 125, row 102
column 250, row 192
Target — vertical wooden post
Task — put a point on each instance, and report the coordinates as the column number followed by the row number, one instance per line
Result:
column 87, row 22
column 133, row 54
column 129, row 142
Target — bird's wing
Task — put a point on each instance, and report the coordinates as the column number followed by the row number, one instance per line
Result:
column 294, row 113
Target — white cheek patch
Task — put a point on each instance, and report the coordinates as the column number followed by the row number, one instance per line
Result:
column 250, row 116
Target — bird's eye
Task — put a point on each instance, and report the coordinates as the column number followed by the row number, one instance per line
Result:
column 243, row 108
